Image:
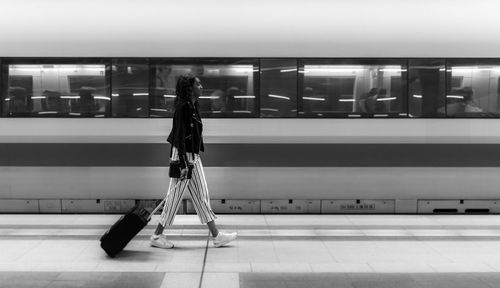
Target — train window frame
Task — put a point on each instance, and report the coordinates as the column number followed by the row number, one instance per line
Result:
column 354, row 61
column 441, row 90
column 450, row 63
column 296, row 74
column 256, row 61
column 55, row 61
column 133, row 60
column 214, row 61
column 1, row 86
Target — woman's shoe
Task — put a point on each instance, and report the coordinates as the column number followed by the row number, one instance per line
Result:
column 161, row 241
column 224, row 238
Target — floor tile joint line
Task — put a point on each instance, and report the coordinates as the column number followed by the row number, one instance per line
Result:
column 204, row 261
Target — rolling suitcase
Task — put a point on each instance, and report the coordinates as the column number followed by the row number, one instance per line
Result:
column 118, row 236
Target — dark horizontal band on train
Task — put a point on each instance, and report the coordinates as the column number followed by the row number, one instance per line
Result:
column 253, row 87
column 255, row 155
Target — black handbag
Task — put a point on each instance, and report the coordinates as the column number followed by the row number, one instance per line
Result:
column 174, row 170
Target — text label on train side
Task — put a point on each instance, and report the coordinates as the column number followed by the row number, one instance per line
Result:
column 357, row 207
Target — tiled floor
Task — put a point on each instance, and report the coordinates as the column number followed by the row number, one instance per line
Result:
column 272, row 251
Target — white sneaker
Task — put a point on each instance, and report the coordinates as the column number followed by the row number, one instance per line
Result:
column 161, row 241
column 224, row 238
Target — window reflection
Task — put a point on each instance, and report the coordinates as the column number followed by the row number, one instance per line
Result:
column 229, row 90
column 370, row 90
column 278, row 88
column 56, row 90
column 426, row 87
column 130, row 90
column 250, row 87
column 473, row 90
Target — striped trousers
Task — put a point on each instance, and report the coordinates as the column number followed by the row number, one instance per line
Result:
column 198, row 190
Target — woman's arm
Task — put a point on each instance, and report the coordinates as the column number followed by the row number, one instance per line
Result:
column 183, row 131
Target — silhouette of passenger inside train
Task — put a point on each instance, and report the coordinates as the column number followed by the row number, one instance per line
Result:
column 20, row 102
column 381, row 106
column 87, row 104
column 368, row 101
column 52, row 101
column 461, row 103
column 470, row 105
column 217, row 102
column 232, row 104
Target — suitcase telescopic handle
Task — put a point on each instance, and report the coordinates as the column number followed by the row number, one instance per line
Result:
column 164, row 199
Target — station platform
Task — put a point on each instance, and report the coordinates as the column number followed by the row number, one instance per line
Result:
column 346, row 251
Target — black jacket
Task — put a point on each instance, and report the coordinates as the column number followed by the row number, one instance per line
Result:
column 187, row 128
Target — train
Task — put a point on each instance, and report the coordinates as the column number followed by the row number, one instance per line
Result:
column 325, row 107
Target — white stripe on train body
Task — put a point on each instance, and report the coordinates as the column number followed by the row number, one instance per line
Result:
column 155, row 130
column 255, row 182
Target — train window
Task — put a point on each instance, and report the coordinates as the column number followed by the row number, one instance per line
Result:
column 130, row 88
column 426, row 85
column 56, row 90
column 278, row 88
column 352, row 87
column 473, row 88
column 230, row 87
column 269, row 87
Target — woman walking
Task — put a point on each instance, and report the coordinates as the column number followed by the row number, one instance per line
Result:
column 186, row 143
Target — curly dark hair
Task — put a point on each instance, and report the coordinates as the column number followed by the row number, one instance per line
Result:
column 184, row 87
